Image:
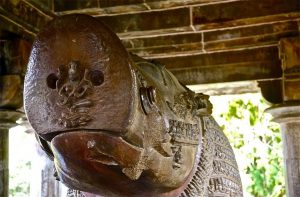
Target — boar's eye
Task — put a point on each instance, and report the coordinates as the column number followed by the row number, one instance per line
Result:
column 148, row 98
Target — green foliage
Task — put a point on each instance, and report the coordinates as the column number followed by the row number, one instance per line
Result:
column 19, row 183
column 256, row 142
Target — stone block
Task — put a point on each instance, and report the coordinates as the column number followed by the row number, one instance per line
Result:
column 253, row 30
column 74, row 4
column 290, row 56
column 110, row 3
column 163, row 40
column 156, row 51
column 223, row 12
column 148, row 20
column 239, row 65
column 255, row 70
column 221, row 58
column 11, row 96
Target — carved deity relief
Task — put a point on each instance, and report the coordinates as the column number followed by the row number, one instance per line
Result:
column 141, row 133
column 73, row 85
column 72, row 89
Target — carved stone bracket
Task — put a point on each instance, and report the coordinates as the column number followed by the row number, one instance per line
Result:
column 290, row 56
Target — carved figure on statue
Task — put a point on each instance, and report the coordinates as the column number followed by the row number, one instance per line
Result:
column 115, row 124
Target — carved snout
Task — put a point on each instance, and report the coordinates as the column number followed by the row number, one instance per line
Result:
column 79, row 77
column 94, row 150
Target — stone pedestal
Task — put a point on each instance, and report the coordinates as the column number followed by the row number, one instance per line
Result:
column 288, row 116
column 7, row 120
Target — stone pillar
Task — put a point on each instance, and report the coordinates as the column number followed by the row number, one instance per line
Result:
column 287, row 114
column 7, row 120
column 4, row 175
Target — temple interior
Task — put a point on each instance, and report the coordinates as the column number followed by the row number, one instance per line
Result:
column 215, row 47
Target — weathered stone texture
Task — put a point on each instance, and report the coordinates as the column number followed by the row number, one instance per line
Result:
column 221, row 58
column 22, row 16
column 109, row 3
column 249, row 36
column 156, row 29
column 148, row 20
column 250, row 64
column 223, row 12
column 43, row 4
column 172, row 39
column 11, row 96
column 74, row 4
column 228, row 73
column 288, row 117
column 164, row 44
column 290, row 56
column 4, row 174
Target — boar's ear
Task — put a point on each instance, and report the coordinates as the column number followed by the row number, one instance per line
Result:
column 203, row 105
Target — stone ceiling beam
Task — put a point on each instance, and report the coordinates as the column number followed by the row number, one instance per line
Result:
column 104, row 7
column 240, row 23
column 23, row 17
column 199, row 15
column 217, row 36
column 216, row 40
column 239, row 65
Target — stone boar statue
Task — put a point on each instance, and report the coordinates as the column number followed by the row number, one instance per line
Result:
column 118, row 125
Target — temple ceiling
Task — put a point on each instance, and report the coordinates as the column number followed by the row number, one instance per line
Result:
column 200, row 41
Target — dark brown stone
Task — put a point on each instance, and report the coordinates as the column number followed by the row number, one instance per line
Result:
column 120, row 125
column 255, row 70
column 239, row 65
column 24, row 16
column 167, row 4
column 271, row 90
column 148, row 20
column 164, row 40
column 223, row 12
column 109, row 3
column 253, row 30
column 290, row 56
column 43, row 4
column 74, row 4
column 164, row 44
column 293, row 16
column 252, row 41
column 151, row 52
column 221, row 58
column 11, row 96
column 14, row 55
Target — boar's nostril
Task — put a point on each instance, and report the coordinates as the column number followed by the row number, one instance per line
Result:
column 51, row 80
column 96, row 77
